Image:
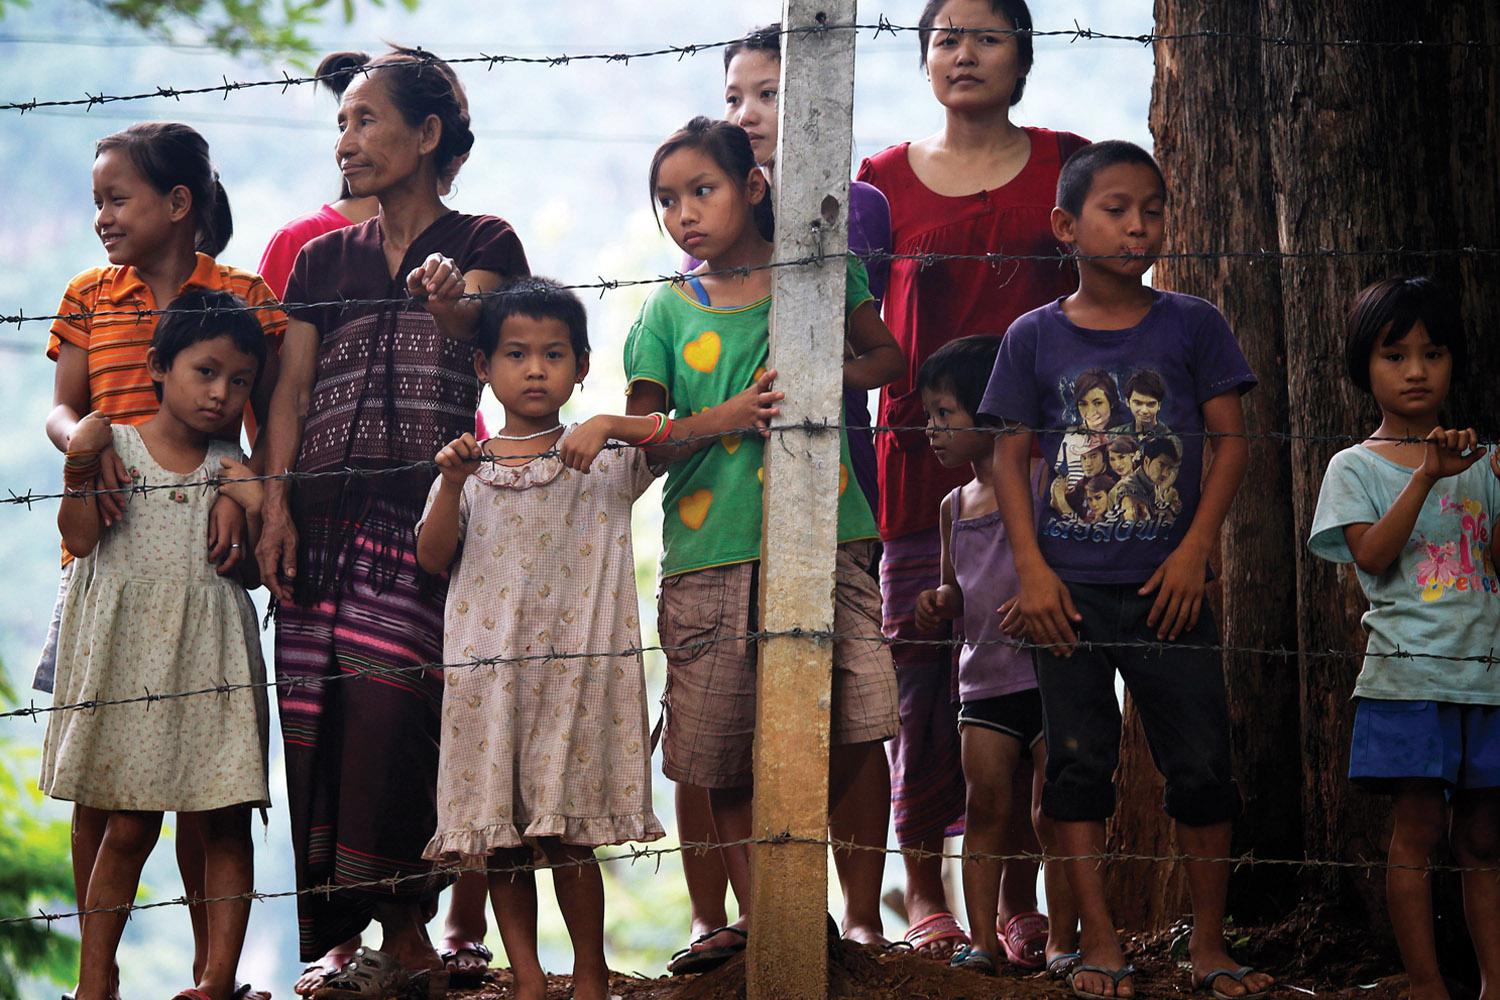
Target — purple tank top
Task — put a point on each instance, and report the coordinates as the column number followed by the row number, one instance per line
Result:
column 986, row 573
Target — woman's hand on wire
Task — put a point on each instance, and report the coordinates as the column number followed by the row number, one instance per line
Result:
column 459, row 459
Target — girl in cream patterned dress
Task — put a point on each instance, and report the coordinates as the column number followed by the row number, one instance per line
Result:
column 544, row 740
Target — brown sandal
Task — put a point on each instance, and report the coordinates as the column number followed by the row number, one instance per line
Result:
column 375, row 975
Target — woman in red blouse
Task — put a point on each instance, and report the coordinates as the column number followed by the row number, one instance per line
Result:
column 981, row 184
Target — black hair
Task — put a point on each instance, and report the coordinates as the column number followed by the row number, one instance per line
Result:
column 1098, row 484
column 1386, row 311
column 727, row 145
column 1124, row 444
column 335, row 72
column 169, row 155
column 1077, row 175
column 1014, row 11
column 1146, row 382
column 200, row 314
column 534, row 298
column 1161, row 446
column 419, row 85
column 1097, row 378
column 766, row 38
column 961, row 367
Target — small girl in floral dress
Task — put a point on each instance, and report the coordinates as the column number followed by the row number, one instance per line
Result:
column 544, row 738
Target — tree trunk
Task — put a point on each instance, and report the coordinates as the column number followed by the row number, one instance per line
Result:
column 1218, row 169
column 1323, row 146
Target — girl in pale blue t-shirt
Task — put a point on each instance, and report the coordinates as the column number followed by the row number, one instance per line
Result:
column 1413, row 508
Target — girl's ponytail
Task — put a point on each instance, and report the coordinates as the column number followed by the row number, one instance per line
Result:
column 216, row 225
column 168, row 155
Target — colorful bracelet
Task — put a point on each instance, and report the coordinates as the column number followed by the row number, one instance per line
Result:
column 659, row 433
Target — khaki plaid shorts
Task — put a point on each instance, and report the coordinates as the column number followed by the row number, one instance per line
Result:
column 710, row 696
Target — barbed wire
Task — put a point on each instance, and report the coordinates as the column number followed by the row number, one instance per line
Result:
column 441, row 871
column 884, row 25
column 807, row 426
column 922, row 260
column 821, row 636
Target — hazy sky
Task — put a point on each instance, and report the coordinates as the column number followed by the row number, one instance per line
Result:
column 562, row 153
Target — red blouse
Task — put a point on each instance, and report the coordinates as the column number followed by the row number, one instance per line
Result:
column 928, row 305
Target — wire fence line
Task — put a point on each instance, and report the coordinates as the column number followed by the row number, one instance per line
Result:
column 439, row 873
column 806, row 426
column 922, row 260
column 883, row 25
column 821, row 636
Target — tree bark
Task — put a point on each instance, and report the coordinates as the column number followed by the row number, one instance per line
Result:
column 1209, row 126
column 1299, row 148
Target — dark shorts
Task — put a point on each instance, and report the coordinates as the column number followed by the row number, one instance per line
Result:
column 1178, row 688
column 1017, row 715
column 1397, row 741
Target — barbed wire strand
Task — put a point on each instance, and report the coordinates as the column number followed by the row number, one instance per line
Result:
column 439, row 872
column 884, row 25
column 821, row 636
column 808, row 426
column 922, row 260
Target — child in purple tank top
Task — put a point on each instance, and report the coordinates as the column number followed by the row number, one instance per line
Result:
column 1000, row 714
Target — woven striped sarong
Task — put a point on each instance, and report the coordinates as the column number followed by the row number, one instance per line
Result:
column 362, row 740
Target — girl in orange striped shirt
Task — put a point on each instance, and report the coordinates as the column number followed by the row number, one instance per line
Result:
column 162, row 215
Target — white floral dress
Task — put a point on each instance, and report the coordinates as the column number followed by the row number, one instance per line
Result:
column 548, row 745
column 147, row 613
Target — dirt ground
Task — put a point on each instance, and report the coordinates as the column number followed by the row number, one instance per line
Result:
column 1312, row 954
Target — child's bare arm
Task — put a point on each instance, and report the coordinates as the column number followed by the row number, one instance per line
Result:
column 580, row 448
column 754, row 408
column 1377, row 546
column 946, row 602
column 1042, row 609
column 877, row 359
column 80, row 519
column 1180, row 580
column 437, row 542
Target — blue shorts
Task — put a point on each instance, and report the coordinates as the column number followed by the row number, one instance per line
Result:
column 1458, row 745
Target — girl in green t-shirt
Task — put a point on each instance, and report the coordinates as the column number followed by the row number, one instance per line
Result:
column 700, row 349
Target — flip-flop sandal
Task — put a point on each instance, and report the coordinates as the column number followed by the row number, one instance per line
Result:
column 1114, row 975
column 468, row 977
column 369, row 975
column 324, row 974
column 1238, row 975
column 971, row 958
column 1024, row 937
column 1059, row 965
column 687, row 961
column 244, row 990
column 940, row 926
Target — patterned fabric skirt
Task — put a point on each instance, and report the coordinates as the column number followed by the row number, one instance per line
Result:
column 927, row 780
column 361, row 733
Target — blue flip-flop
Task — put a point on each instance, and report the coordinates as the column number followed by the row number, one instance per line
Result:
column 1114, row 975
column 974, row 959
column 1058, row 965
column 1238, row 975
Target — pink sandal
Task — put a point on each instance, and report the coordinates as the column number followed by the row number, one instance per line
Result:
column 939, row 927
column 1024, row 938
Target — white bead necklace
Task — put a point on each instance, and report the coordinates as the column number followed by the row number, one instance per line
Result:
column 525, row 437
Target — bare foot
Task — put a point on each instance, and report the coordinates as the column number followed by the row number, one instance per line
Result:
column 529, row 985
column 866, row 934
column 1212, row 955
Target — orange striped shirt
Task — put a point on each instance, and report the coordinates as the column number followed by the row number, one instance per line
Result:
column 119, row 384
